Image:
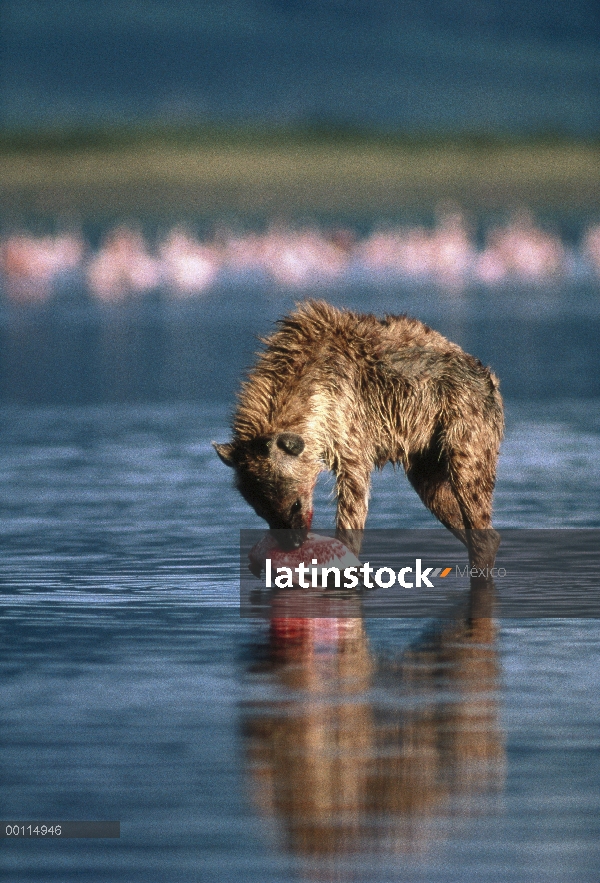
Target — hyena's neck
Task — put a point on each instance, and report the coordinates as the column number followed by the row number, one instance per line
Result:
column 270, row 404
column 332, row 425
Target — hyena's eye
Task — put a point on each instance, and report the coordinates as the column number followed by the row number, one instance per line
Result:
column 296, row 507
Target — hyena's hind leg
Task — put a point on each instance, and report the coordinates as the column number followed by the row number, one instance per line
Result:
column 472, row 476
column 460, row 497
column 428, row 474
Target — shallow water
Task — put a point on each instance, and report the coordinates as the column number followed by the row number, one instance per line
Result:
column 391, row 750
column 542, row 343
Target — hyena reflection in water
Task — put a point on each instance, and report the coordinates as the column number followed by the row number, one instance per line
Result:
column 345, row 768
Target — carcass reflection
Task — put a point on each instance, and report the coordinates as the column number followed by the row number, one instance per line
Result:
column 354, row 753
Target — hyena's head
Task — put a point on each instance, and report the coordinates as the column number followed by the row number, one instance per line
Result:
column 276, row 476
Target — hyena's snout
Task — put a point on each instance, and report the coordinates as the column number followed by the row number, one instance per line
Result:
column 289, row 539
column 291, row 525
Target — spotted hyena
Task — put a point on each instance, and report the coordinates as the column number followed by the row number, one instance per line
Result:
column 343, row 391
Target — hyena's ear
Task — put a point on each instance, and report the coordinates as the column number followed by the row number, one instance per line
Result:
column 225, row 453
column 291, row 443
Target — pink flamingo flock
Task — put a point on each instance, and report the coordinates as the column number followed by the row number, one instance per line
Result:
column 184, row 266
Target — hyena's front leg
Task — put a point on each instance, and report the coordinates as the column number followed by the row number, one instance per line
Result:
column 353, row 488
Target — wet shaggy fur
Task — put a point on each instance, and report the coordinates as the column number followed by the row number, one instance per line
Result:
column 347, row 392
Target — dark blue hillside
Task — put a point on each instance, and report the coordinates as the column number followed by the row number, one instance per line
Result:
column 455, row 65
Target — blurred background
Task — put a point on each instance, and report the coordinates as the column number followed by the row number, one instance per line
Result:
column 451, row 66
column 169, row 164
column 174, row 175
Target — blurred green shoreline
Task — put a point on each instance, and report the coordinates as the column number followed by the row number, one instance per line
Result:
column 213, row 171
